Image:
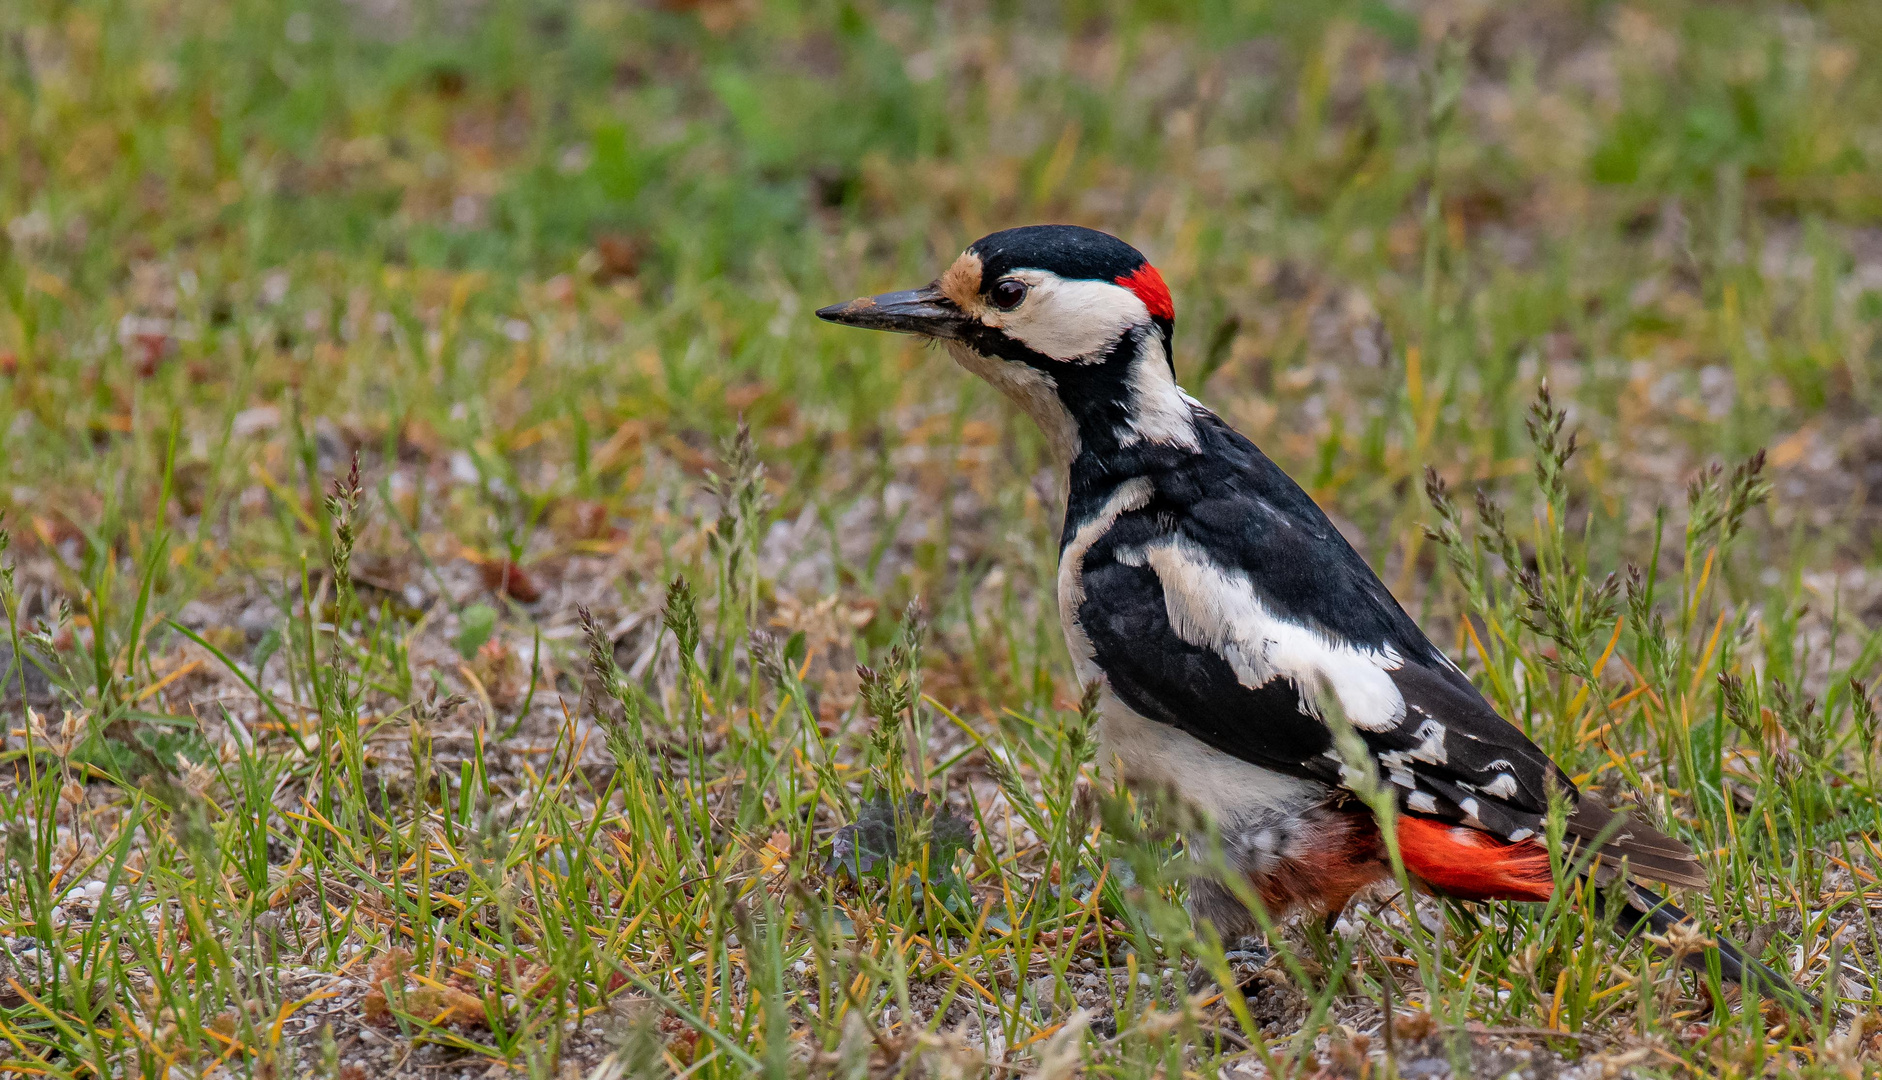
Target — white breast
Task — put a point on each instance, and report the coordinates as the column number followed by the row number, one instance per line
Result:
column 1226, row 788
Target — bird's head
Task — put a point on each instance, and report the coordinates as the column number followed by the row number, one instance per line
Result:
column 1071, row 323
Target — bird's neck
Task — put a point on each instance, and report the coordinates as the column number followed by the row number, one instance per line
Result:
column 1105, row 421
column 1129, row 414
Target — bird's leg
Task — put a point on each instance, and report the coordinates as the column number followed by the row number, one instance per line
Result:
column 1331, row 920
column 1245, row 958
column 1214, row 903
column 1244, row 948
column 1249, row 950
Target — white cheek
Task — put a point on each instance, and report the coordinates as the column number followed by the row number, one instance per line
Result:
column 1069, row 319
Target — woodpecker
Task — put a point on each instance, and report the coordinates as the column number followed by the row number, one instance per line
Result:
column 1227, row 619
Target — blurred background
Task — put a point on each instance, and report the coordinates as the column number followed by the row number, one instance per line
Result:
column 553, row 250
column 530, row 262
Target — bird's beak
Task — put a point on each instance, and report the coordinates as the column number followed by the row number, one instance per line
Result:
column 925, row 311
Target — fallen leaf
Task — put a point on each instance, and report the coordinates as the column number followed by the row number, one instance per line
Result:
column 1791, row 449
column 375, row 1008
column 619, row 254
column 684, row 1045
column 776, row 853
column 393, row 985
column 501, row 672
column 584, row 519
column 884, row 833
column 503, row 576
column 148, row 352
column 391, row 965
column 1413, row 1025
column 743, row 396
column 389, row 969
column 444, row 1005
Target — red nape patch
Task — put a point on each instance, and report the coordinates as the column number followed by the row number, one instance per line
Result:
column 1458, row 861
column 1149, row 287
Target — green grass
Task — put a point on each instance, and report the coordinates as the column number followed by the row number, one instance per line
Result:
column 531, row 743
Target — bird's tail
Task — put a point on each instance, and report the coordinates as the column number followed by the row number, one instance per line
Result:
column 1640, row 905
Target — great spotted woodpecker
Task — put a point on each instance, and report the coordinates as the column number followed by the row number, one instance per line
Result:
column 1227, row 617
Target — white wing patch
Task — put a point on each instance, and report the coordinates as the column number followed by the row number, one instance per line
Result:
column 1217, row 609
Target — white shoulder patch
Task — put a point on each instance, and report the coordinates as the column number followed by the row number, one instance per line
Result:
column 1217, row 608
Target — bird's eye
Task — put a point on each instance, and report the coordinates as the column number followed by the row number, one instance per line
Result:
column 1007, row 294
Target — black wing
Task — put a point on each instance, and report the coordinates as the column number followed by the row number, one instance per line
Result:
column 1229, row 572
